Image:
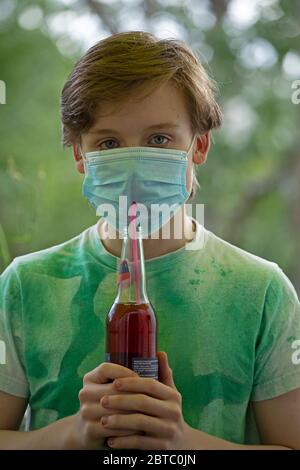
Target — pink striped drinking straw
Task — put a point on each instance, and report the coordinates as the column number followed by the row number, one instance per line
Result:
column 132, row 218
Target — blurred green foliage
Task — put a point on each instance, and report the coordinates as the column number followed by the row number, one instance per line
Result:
column 250, row 184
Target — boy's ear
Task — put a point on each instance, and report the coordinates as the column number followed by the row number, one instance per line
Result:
column 78, row 158
column 202, row 148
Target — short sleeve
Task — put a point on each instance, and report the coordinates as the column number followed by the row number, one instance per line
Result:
column 12, row 373
column 277, row 361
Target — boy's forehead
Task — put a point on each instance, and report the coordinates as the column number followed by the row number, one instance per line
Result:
column 163, row 107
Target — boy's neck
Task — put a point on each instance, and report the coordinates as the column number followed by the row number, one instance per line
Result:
column 152, row 247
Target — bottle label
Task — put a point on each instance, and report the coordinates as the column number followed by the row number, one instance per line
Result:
column 124, row 272
column 145, row 367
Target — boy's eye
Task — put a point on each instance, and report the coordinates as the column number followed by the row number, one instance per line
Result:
column 160, row 139
column 110, row 143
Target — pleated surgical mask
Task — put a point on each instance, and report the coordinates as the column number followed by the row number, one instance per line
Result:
column 154, row 178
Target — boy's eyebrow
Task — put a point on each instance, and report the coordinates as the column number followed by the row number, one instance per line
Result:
column 163, row 125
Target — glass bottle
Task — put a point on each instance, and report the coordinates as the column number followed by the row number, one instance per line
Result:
column 131, row 324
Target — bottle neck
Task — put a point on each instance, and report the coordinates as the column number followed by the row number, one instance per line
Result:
column 131, row 271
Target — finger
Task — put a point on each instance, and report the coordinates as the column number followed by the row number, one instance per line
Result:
column 116, row 432
column 93, row 392
column 135, row 442
column 165, row 372
column 94, row 412
column 107, row 372
column 97, row 431
column 142, row 403
column 139, row 422
column 112, row 434
column 146, row 386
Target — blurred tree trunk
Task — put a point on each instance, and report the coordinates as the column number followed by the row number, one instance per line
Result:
column 103, row 11
column 219, row 7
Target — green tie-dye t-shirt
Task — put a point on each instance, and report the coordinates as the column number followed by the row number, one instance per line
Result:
column 229, row 321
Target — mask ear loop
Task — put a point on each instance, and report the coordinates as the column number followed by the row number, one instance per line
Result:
column 82, row 156
column 192, row 143
column 187, row 156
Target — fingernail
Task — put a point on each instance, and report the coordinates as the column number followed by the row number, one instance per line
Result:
column 111, row 442
column 104, row 401
column 104, row 420
column 118, row 384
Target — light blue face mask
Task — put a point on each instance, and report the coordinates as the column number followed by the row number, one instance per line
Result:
column 152, row 177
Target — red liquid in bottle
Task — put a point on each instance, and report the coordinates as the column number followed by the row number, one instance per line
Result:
column 132, row 336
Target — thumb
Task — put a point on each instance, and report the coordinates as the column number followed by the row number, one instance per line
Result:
column 165, row 372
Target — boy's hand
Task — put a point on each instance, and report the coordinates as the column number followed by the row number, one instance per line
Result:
column 158, row 412
column 89, row 432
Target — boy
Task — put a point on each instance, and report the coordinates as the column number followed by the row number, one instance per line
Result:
column 229, row 322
